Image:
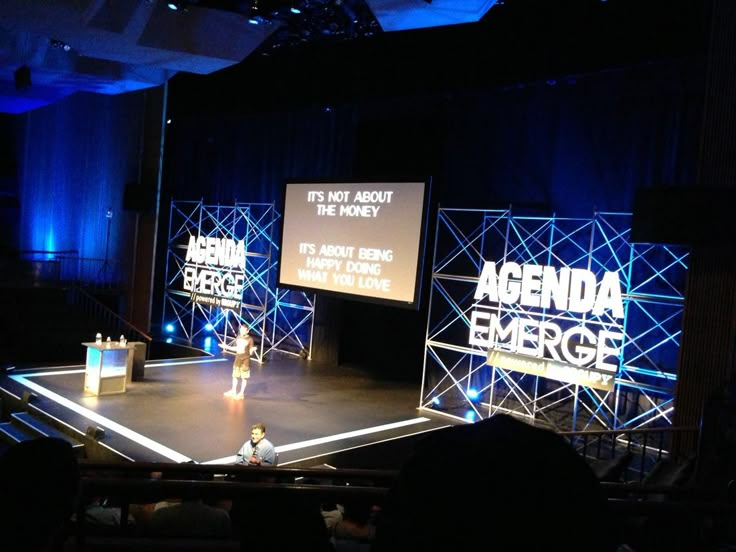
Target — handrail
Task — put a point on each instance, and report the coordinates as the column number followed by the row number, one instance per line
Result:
column 242, row 471
column 104, row 311
column 55, row 253
column 645, row 447
column 596, row 432
column 642, row 490
column 151, row 490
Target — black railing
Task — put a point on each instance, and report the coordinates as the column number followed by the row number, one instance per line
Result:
column 112, row 323
column 637, row 451
column 63, row 267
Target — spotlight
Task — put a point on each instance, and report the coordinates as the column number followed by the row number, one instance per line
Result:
column 169, row 340
column 436, row 401
column 472, row 394
column 169, row 328
column 207, row 343
column 254, row 17
column 60, row 44
column 295, row 10
column 470, row 415
column 209, row 327
column 173, row 6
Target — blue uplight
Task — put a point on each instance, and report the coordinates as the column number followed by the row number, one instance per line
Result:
column 169, row 328
column 472, row 394
column 207, row 343
column 470, row 415
column 208, row 327
column 169, row 340
column 436, row 401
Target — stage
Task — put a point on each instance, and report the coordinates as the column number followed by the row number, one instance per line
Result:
column 178, row 413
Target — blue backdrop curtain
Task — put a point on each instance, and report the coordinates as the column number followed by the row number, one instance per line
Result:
column 569, row 146
column 247, row 159
column 578, row 143
column 75, row 158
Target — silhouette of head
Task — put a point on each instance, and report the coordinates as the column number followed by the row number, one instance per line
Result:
column 477, row 483
column 39, row 480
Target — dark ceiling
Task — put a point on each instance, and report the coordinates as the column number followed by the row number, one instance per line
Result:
column 302, row 21
column 517, row 43
column 52, row 48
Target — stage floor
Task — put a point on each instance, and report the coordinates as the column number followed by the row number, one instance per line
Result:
column 178, row 412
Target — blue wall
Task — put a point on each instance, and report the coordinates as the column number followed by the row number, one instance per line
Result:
column 75, row 158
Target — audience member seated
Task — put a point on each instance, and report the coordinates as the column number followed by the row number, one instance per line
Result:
column 100, row 514
column 142, row 512
column 331, row 514
column 356, row 529
column 39, row 481
column 279, row 524
column 499, row 484
column 188, row 517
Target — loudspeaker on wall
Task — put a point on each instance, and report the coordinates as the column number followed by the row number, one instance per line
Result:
column 22, row 77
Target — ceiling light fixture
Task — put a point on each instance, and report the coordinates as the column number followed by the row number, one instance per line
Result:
column 254, row 17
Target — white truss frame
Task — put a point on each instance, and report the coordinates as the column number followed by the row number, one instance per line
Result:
column 284, row 319
column 456, row 380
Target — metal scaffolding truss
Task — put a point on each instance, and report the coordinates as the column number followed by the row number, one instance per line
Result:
column 281, row 320
column 458, row 381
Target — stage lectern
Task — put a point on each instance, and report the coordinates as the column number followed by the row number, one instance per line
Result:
column 107, row 367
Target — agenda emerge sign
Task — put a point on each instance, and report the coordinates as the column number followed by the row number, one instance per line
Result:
column 561, row 323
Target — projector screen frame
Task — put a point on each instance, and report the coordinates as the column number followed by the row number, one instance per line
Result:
column 421, row 234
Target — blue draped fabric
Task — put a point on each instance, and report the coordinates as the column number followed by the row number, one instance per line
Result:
column 247, row 159
column 569, row 147
column 75, row 158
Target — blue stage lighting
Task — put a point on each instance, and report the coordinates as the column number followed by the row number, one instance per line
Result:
column 207, row 343
column 436, row 401
column 173, row 6
column 209, row 327
column 294, row 9
column 254, row 17
column 169, row 328
column 470, row 415
column 169, row 340
column 472, row 394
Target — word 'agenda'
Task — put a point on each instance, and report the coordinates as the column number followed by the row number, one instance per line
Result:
column 572, row 290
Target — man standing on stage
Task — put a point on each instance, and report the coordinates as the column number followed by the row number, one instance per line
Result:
column 241, row 365
column 257, row 451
